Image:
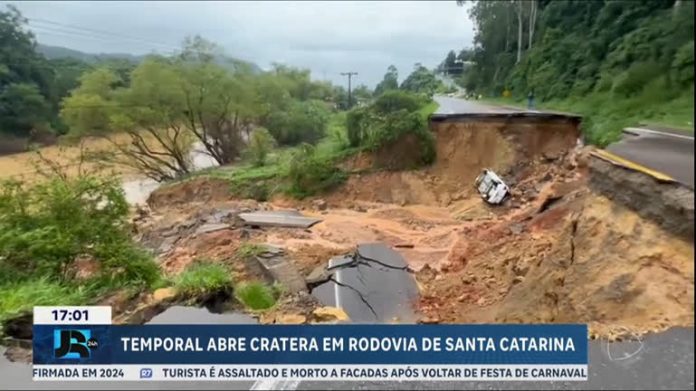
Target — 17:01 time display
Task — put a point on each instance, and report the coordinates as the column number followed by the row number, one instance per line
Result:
column 70, row 315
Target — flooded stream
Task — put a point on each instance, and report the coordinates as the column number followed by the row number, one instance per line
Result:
column 21, row 166
column 137, row 190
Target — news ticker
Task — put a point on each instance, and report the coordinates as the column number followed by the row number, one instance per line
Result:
column 311, row 372
column 80, row 343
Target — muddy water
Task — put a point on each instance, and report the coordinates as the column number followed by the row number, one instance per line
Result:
column 22, row 166
column 137, row 190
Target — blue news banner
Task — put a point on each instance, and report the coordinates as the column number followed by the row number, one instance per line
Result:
column 310, row 352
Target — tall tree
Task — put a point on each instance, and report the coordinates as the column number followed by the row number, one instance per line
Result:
column 25, row 78
column 450, row 62
column 520, row 11
column 533, row 5
column 389, row 82
column 421, row 80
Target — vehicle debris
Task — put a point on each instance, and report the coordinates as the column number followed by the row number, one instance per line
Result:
column 491, row 188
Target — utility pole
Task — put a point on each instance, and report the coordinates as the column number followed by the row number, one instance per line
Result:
column 350, row 76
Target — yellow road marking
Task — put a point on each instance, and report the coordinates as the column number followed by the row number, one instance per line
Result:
column 618, row 160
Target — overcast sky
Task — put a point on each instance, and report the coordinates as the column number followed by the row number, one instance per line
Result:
column 327, row 37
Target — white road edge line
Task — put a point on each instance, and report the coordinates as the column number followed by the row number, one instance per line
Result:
column 337, row 287
column 646, row 130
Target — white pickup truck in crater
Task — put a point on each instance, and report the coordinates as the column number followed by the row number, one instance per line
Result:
column 492, row 189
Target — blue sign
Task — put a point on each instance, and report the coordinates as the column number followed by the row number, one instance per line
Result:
column 73, row 344
column 146, row 373
column 312, row 344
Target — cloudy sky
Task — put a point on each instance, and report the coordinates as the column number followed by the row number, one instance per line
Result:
column 327, row 37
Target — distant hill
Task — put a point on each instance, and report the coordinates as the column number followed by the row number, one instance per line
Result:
column 54, row 52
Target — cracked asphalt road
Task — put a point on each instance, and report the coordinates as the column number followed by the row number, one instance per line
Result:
column 372, row 287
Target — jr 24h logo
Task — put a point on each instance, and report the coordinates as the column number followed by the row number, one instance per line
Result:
column 73, row 343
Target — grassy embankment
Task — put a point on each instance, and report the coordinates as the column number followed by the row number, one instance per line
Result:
column 298, row 171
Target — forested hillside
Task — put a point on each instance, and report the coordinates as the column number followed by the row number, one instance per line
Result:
column 616, row 61
column 34, row 80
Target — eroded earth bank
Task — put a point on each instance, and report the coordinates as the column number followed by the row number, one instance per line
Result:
column 580, row 240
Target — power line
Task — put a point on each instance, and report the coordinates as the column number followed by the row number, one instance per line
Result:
column 103, row 32
column 73, row 34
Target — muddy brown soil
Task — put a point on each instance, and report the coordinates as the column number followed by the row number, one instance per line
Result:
column 557, row 251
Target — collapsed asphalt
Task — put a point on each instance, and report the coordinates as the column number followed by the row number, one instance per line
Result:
column 373, row 285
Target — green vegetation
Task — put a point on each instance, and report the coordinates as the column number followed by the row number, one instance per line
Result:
column 248, row 250
column 297, row 171
column 168, row 104
column 20, row 297
column 393, row 116
column 33, row 86
column 302, row 122
column 26, row 91
column 47, row 228
column 390, row 81
column 261, row 142
column 615, row 62
column 202, row 278
column 310, row 173
column 422, row 81
column 428, row 109
column 307, row 170
column 256, row 295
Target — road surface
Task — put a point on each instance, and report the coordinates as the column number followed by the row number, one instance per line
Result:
column 668, row 153
column 372, row 288
column 463, row 106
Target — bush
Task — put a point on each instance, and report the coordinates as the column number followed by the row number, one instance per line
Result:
column 249, row 250
column 337, row 133
column 45, row 227
column 203, row 278
column 258, row 191
column 395, row 114
column 604, row 83
column 261, row 143
column 20, row 297
column 303, row 122
column 602, row 131
column 357, row 123
column 683, row 64
column 393, row 101
column 256, row 295
column 635, row 78
column 310, row 174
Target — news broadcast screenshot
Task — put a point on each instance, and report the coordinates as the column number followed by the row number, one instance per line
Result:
column 301, row 195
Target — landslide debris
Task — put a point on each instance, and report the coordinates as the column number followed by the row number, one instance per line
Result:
column 558, row 251
column 584, row 260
